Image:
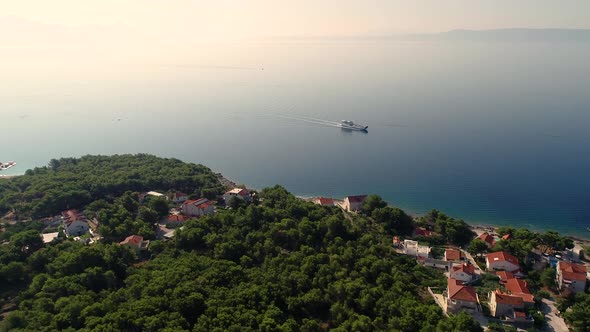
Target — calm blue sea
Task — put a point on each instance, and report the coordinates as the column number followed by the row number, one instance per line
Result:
column 494, row 133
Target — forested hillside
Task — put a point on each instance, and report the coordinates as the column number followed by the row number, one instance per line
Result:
column 73, row 183
column 277, row 264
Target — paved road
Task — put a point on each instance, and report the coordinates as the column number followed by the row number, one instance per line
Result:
column 554, row 322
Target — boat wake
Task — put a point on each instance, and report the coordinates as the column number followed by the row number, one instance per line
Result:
column 320, row 122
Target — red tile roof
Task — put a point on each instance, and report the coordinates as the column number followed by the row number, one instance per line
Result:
column 571, row 267
column 504, row 298
column 195, row 202
column 573, row 276
column 452, row 254
column 238, row 191
column 325, row 201
column 466, row 268
column 135, row 240
column 458, row 291
column 356, row 199
column 176, row 218
column 519, row 287
column 504, row 275
column 487, row 238
column 506, row 237
column 501, row 256
column 421, row 231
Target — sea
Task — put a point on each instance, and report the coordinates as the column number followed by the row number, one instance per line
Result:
column 494, row 133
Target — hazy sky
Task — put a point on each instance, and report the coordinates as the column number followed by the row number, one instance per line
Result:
column 225, row 19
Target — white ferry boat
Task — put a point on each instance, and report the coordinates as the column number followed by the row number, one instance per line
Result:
column 349, row 125
column 7, row 165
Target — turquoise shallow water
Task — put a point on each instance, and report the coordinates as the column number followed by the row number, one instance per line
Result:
column 493, row 133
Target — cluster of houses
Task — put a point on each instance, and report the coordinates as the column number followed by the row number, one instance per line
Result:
column 349, row 203
column 76, row 225
column 511, row 301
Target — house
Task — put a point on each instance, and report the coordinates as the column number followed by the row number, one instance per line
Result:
column 572, row 276
column 198, row 208
column 176, row 219
column 519, row 287
column 461, row 297
column 49, row 237
column 512, row 308
column 421, row 231
column 452, row 255
column 323, row 201
column 178, row 197
column 241, row 193
column 75, row 223
column 464, row 272
column 412, row 248
column 502, row 261
column 434, row 263
column 506, row 237
column 488, row 239
column 354, row 203
column 135, row 242
column 155, row 194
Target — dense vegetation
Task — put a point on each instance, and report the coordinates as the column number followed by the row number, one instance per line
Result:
column 74, row 183
column 277, row 264
column 446, row 229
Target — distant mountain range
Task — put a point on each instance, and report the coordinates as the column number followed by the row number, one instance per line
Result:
column 515, row 34
column 519, row 34
column 18, row 31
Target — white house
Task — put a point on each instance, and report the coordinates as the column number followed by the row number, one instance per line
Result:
column 240, row 193
column 75, row 223
column 50, row 237
column 412, row 248
column 354, row 203
column 572, row 276
column 136, row 242
column 464, row 272
column 198, row 208
column 502, row 261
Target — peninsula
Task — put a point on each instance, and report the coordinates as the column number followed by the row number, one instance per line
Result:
column 136, row 242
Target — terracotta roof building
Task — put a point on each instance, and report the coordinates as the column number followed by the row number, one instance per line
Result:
column 502, row 261
column 571, row 276
column 488, row 239
column 452, row 255
column 354, row 203
column 461, row 297
column 464, row 272
column 323, row 201
column 136, row 242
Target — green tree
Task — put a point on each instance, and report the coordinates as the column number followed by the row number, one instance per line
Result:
column 160, row 206
column 477, row 247
column 373, row 202
column 547, row 278
column 461, row 322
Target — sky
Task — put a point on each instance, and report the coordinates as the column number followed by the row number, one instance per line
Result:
column 194, row 20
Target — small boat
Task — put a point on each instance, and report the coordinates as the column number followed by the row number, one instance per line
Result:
column 588, row 229
column 349, row 125
column 7, row 165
